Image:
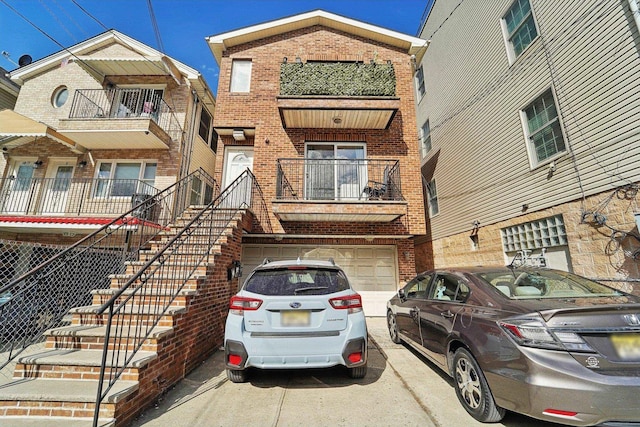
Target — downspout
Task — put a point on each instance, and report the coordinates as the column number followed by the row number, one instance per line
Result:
column 635, row 11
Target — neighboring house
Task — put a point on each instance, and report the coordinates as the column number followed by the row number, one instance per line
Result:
column 97, row 127
column 8, row 95
column 530, row 138
column 321, row 108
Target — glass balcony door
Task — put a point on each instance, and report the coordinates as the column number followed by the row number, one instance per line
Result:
column 335, row 171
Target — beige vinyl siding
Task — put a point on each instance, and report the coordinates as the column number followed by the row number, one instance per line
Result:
column 203, row 157
column 7, row 100
column 585, row 53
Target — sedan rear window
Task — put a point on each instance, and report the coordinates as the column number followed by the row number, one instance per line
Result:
column 306, row 281
column 527, row 284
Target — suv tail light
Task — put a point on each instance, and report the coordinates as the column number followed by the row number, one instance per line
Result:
column 353, row 303
column 238, row 305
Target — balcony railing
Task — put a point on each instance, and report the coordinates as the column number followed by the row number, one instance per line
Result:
column 337, row 79
column 338, row 179
column 71, row 196
column 122, row 104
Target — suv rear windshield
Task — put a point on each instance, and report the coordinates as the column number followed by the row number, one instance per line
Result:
column 297, row 281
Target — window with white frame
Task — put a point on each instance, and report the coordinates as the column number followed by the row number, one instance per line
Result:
column 425, row 139
column 543, row 129
column 420, row 83
column 432, row 198
column 240, row 75
column 124, row 178
column 519, row 28
column 335, row 171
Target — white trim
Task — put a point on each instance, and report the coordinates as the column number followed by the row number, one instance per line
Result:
column 220, row 42
column 511, row 54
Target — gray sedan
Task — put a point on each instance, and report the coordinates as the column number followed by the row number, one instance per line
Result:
column 541, row 342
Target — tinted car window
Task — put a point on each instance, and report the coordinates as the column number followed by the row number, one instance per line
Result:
column 449, row 288
column 417, row 288
column 307, row 281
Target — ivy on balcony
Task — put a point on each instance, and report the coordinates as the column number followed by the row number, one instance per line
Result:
column 337, row 79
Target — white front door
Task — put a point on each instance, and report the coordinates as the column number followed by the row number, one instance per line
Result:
column 18, row 188
column 237, row 160
column 57, row 184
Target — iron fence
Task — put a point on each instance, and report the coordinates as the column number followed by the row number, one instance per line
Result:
column 338, row 179
column 40, row 298
column 70, row 196
column 118, row 103
column 148, row 294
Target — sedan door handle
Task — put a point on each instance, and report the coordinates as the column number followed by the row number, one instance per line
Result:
column 447, row 314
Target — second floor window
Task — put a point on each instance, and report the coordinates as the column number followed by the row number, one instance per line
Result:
column 240, row 75
column 205, row 125
column 420, row 83
column 425, row 139
column 432, row 198
column 519, row 28
column 543, row 130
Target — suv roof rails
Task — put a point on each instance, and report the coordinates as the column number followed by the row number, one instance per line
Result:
column 265, row 261
column 332, row 261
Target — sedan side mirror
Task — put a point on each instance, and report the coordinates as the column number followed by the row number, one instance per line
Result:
column 401, row 294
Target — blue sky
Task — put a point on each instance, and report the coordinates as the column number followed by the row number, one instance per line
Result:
column 183, row 24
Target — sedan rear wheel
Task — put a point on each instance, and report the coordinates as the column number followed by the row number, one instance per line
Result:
column 393, row 327
column 472, row 389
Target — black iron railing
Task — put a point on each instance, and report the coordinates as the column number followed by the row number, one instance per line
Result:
column 338, row 179
column 40, row 298
column 121, row 103
column 178, row 260
column 71, row 196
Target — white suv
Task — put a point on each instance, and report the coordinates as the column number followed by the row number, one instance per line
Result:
column 295, row 314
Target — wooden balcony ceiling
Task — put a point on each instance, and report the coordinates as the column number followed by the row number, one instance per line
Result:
column 337, row 113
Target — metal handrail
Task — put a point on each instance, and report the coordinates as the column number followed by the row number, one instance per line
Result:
column 50, row 289
column 361, row 180
column 70, row 196
column 204, row 229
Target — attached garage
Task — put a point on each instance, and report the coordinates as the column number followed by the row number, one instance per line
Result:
column 372, row 270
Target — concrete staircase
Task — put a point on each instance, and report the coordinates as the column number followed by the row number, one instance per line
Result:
column 56, row 382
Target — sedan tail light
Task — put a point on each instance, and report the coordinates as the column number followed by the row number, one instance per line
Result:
column 533, row 332
column 239, row 305
column 353, row 303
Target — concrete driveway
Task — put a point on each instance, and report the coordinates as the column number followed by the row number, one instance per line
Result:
column 400, row 388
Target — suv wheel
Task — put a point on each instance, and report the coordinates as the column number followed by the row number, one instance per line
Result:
column 358, row 372
column 393, row 327
column 472, row 389
column 236, row 376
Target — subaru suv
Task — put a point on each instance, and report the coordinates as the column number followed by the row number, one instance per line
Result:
column 295, row 314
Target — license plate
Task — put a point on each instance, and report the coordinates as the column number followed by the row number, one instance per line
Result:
column 627, row 346
column 295, row 318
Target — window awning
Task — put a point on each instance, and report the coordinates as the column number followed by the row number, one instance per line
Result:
column 16, row 130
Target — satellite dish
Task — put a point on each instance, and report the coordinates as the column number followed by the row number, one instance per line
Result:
column 25, row 60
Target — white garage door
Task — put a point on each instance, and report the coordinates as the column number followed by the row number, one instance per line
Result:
column 372, row 270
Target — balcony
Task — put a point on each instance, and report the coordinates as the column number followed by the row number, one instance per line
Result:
column 351, row 190
column 120, row 119
column 338, row 95
column 69, row 197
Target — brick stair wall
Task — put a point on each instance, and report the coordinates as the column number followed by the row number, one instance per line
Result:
column 189, row 333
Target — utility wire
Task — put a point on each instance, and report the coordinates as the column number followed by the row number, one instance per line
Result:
column 156, row 30
column 89, row 15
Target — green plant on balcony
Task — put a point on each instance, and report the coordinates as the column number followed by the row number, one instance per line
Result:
column 337, row 79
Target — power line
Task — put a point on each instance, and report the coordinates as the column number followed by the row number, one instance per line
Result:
column 156, row 30
column 89, row 15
